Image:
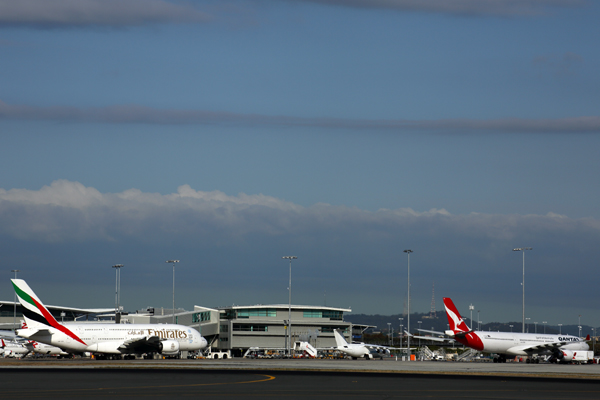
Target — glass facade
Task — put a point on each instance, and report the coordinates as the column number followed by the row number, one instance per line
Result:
column 256, row 312
column 201, row 316
column 334, row 315
column 249, row 328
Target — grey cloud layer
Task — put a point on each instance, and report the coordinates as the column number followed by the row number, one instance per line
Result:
column 81, row 13
column 135, row 114
column 46, row 14
column 503, row 8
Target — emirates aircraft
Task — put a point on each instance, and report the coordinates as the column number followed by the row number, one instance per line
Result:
column 507, row 344
column 103, row 339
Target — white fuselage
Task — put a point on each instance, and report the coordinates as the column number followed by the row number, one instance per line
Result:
column 16, row 350
column 46, row 349
column 115, row 338
column 522, row 344
column 354, row 350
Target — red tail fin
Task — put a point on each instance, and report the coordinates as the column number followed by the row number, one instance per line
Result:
column 454, row 319
column 587, row 338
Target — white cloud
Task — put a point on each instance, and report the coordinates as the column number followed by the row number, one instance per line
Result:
column 67, row 211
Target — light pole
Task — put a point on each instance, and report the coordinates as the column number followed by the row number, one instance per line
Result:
column 173, row 262
column 535, row 323
column 471, row 308
column 419, row 322
column 527, row 319
column 560, row 329
column 117, row 268
column 408, row 251
column 478, row 321
column 511, row 326
column 544, row 322
column 389, row 332
column 522, row 249
column 401, row 332
column 579, row 325
column 15, row 304
column 289, row 327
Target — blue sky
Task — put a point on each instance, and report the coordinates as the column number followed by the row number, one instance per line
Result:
column 230, row 133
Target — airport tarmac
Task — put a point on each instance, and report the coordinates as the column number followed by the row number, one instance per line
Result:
column 208, row 379
column 388, row 365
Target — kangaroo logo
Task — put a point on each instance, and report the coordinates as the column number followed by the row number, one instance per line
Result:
column 456, row 320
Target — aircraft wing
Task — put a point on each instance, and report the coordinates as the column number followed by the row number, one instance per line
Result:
column 432, row 338
column 542, row 347
column 379, row 349
column 432, row 332
column 141, row 344
column 32, row 333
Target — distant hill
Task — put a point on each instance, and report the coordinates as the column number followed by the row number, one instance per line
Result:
column 441, row 324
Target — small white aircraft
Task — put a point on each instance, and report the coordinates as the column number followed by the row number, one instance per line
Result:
column 102, row 339
column 561, row 348
column 46, row 349
column 13, row 349
column 41, row 348
column 359, row 350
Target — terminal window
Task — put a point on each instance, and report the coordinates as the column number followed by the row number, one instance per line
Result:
column 256, row 312
column 335, row 315
column 249, row 328
column 201, row 317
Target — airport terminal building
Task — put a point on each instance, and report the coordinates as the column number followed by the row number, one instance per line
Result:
column 237, row 328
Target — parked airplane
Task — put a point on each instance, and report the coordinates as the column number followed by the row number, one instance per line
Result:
column 359, row 350
column 561, row 347
column 13, row 349
column 117, row 339
column 41, row 348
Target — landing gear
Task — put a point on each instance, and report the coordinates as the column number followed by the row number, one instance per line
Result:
column 500, row 359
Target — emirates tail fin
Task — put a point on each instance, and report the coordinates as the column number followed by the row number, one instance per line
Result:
column 37, row 317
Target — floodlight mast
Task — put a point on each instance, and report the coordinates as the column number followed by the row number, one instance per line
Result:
column 522, row 249
column 173, row 262
column 289, row 322
column 15, row 304
column 117, row 268
column 408, row 251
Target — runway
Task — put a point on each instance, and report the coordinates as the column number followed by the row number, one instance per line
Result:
column 294, row 379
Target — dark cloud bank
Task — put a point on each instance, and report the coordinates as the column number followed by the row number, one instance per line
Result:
column 232, row 247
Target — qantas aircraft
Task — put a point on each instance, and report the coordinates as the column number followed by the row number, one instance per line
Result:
column 359, row 350
column 112, row 339
column 560, row 347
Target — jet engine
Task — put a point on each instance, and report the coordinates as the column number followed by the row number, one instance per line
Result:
column 169, row 347
column 566, row 356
